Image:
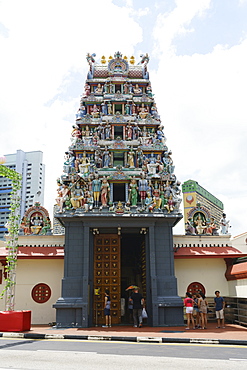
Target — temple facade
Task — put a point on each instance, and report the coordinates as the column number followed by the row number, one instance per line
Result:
column 118, row 200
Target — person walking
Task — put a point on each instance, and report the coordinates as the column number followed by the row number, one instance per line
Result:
column 107, row 309
column 138, row 303
column 219, row 303
column 188, row 303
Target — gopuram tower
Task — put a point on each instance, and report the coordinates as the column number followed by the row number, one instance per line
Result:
column 118, row 200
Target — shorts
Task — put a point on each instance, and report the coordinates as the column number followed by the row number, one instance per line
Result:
column 107, row 312
column 220, row 314
column 189, row 309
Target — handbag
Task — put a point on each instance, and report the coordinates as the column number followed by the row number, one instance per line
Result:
column 144, row 313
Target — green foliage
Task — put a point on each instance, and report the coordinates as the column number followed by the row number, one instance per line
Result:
column 13, row 228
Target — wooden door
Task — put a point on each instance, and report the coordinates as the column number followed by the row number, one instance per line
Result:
column 107, row 274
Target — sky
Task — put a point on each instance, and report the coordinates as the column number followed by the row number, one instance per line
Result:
column 198, row 59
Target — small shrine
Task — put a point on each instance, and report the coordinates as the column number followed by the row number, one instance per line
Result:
column 36, row 221
column 119, row 179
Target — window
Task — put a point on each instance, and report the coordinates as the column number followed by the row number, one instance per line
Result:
column 195, row 288
column 41, row 293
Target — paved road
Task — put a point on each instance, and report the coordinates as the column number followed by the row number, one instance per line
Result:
column 54, row 354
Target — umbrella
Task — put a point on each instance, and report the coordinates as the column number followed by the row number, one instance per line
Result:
column 132, row 287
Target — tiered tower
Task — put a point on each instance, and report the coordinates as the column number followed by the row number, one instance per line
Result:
column 118, row 200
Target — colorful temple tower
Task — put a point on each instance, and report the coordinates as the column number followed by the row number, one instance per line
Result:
column 118, row 200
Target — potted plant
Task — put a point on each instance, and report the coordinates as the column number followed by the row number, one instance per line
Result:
column 11, row 320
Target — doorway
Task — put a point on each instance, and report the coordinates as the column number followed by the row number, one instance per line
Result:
column 119, row 192
column 133, row 270
column 119, row 261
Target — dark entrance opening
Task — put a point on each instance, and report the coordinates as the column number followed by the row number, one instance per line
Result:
column 133, row 270
column 119, row 192
column 118, row 108
column 118, row 132
column 118, row 159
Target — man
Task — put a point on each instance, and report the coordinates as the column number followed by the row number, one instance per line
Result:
column 138, row 302
column 219, row 303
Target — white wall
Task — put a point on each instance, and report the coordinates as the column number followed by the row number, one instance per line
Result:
column 32, row 272
column 238, row 288
column 208, row 271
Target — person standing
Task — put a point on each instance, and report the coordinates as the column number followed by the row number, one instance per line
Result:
column 219, row 303
column 138, row 302
column 203, row 307
column 107, row 309
column 188, row 303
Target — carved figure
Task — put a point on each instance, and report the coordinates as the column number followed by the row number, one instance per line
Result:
column 129, row 131
column 46, row 226
column 104, row 108
column 139, row 157
column 95, row 111
column 126, row 87
column 127, row 108
column 200, row 226
column 189, row 228
column 105, row 190
column 133, row 194
column 143, row 187
column 81, row 112
column 108, row 132
column 87, row 90
column 109, row 107
column 137, row 89
column 131, row 159
column 96, row 187
column 156, row 195
column 98, row 90
column 106, row 158
column 36, row 224
column 149, row 90
column 211, row 227
column 224, row 224
column 62, row 196
column 143, row 112
column 75, row 135
column 149, row 203
column 170, row 204
column 84, row 164
column 77, row 197
column 136, row 131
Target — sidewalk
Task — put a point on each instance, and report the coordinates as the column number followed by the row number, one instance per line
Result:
column 232, row 334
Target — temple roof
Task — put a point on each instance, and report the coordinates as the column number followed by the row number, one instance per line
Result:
column 207, row 252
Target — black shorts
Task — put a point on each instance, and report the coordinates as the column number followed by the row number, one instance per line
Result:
column 107, row 311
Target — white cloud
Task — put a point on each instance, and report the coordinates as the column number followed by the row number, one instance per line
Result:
column 46, row 45
column 201, row 99
column 177, row 22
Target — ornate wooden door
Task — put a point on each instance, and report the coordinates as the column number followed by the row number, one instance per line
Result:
column 107, row 274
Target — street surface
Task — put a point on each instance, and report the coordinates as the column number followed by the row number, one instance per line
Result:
column 24, row 354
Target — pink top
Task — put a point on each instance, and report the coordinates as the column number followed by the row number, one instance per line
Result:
column 188, row 302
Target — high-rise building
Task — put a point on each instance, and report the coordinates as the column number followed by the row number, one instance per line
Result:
column 30, row 166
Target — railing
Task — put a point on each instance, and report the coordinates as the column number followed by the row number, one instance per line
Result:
column 236, row 310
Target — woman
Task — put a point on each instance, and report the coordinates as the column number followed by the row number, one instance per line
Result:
column 107, row 309
column 188, row 303
column 196, row 313
column 202, row 305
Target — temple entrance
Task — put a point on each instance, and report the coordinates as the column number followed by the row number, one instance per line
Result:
column 119, row 261
column 107, row 276
column 133, row 270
